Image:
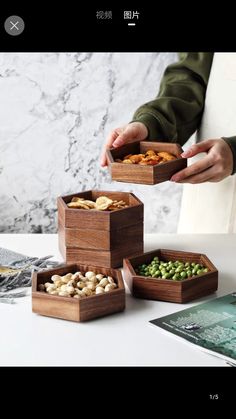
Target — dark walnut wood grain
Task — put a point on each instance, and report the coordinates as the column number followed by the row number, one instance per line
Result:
column 169, row 290
column 148, row 175
column 103, row 238
column 107, row 258
column 78, row 310
column 100, row 220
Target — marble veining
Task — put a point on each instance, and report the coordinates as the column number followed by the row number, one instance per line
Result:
column 55, row 113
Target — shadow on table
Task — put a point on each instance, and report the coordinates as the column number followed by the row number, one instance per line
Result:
column 227, row 283
column 136, row 304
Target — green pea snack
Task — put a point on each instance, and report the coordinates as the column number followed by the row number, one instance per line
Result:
column 173, row 270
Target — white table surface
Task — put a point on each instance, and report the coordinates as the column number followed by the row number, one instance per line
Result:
column 127, row 338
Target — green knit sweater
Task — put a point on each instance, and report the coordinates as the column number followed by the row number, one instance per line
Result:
column 176, row 112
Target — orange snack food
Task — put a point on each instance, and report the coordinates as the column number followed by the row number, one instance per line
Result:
column 150, row 158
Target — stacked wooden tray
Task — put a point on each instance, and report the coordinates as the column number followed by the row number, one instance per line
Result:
column 98, row 241
column 101, row 238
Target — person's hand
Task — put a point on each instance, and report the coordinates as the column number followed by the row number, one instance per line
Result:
column 135, row 131
column 215, row 166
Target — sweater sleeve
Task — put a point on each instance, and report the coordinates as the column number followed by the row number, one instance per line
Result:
column 231, row 141
column 176, row 112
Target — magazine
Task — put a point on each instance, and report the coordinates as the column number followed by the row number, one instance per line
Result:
column 210, row 325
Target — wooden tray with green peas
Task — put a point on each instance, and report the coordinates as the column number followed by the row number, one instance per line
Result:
column 170, row 275
column 175, row 270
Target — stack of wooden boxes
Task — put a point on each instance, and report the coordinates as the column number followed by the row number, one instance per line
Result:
column 101, row 238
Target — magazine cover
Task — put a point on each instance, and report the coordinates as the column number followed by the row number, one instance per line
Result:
column 210, row 325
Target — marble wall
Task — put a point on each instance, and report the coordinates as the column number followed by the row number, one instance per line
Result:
column 55, row 113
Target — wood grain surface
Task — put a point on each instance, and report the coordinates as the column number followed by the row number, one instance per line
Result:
column 74, row 309
column 103, row 238
column 100, row 220
column 148, row 175
column 169, row 290
column 107, row 258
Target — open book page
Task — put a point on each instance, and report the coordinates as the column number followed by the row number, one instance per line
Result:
column 211, row 326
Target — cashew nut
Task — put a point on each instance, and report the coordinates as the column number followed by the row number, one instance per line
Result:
column 78, row 285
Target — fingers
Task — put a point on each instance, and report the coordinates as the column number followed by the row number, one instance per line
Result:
column 179, row 150
column 125, row 136
column 103, row 161
column 129, row 133
column 110, row 140
column 207, row 175
column 192, row 170
column 216, row 166
column 201, row 147
column 112, row 137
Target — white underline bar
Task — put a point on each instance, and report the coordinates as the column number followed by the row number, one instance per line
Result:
column 131, row 24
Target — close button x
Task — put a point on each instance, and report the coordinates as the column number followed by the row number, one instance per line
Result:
column 14, row 25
